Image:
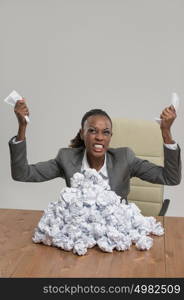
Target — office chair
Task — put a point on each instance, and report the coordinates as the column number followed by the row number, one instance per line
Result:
column 144, row 138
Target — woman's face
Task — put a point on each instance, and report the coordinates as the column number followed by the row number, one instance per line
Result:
column 96, row 134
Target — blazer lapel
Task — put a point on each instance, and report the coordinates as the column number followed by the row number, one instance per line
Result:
column 77, row 160
column 110, row 171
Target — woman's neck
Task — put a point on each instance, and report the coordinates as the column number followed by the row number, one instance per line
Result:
column 96, row 163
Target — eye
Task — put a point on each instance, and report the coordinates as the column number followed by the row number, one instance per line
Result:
column 107, row 132
column 92, row 130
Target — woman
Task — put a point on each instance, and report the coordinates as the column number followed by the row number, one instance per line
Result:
column 90, row 148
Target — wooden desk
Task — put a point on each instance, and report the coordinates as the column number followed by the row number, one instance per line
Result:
column 20, row 257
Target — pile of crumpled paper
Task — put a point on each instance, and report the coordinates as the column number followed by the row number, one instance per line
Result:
column 89, row 214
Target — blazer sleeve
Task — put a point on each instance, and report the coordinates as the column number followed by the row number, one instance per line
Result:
column 39, row 172
column 169, row 174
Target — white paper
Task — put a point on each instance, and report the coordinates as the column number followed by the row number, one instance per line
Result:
column 12, row 99
column 89, row 213
column 174, row 102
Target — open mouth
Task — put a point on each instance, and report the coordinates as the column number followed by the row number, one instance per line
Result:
column 98, row 147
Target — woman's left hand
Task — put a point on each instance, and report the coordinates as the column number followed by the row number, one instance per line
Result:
column 167, row 116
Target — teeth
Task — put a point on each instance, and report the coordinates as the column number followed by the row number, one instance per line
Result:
column 98, row 146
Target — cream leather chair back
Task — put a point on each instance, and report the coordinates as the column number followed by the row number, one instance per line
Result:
column 144, row 138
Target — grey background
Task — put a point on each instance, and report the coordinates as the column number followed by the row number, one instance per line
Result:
column 68, row 56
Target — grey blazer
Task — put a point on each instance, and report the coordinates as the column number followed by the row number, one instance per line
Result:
column 122, row 164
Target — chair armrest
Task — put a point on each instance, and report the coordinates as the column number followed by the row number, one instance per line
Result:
column 164, row 207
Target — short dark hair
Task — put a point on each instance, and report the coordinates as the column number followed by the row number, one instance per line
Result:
column 77, row 142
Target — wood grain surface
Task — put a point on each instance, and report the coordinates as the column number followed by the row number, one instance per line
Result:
column 20, row 257
column 174, row 244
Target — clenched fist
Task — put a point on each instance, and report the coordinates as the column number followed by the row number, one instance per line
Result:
column 167, row 116
column 21, row 110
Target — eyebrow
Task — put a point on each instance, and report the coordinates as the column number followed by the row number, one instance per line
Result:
column 97, row 128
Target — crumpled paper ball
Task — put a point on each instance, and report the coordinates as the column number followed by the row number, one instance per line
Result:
column 89, row 213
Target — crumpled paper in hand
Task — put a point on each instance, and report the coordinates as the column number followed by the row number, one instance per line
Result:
column 174, row 102
column 89, row 213
column 12, row 99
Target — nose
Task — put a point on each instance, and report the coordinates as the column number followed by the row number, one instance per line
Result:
column 99, row 136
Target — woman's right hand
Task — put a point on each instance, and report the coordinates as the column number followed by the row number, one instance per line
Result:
column 21, row 110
